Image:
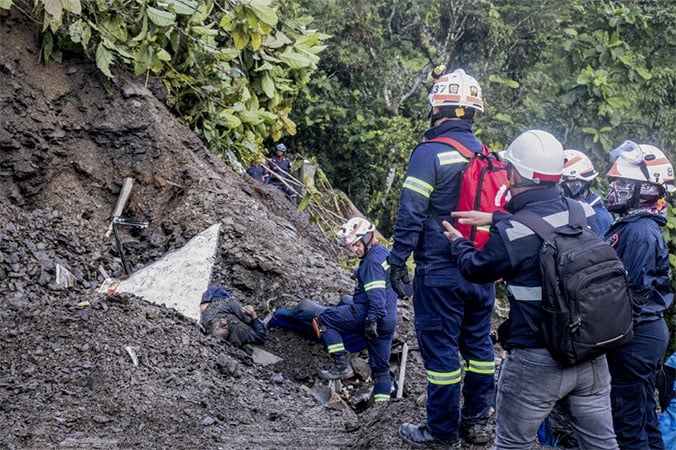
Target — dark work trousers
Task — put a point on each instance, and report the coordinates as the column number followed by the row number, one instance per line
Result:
column 351, row 318
column 453, row 318
column 633, row 370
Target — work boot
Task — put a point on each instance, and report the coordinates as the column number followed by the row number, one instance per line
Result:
column 475, row 434
column 420, row 436
column 342, row 370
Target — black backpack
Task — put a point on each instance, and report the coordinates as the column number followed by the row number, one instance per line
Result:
column 586, row 300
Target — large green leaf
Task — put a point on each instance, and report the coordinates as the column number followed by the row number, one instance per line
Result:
column 5, row 4
column 268, row 85
column 54, row 8
column 184, row 7
column 104, row 59
column 161, row 18
column 72, row 6
column 75, row 31
column 229, row 120
column 240, row 39
column 294, row 59
column 143, row 31
column 251, row 117
column 645, row 73
column 262, row 10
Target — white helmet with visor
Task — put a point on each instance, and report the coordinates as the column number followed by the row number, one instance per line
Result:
column 354, row 230
column 639, row 178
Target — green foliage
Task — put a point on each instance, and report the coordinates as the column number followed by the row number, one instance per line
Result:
column 231, row 72
column 669, row 232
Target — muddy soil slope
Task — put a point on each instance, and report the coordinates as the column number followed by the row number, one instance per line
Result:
column 80, row 369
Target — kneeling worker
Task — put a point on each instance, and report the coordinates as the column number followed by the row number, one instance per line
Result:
column 373, row 312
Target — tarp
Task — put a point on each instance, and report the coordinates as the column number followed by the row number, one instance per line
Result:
column 178, row 279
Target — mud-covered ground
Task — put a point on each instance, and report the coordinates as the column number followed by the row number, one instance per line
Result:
column 80, row 369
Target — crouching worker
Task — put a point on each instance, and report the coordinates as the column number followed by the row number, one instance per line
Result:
column 373, row 312
column 224, row 317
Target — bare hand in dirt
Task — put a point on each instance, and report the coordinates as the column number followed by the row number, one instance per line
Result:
column 249, row 311
column 451, row 233
column 473, row 217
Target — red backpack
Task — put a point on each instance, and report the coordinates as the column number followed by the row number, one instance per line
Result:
column 483, row 187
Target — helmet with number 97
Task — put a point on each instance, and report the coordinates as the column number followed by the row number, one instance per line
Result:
column 457, row 89
column 354, row 230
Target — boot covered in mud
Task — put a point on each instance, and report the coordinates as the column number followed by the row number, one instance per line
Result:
column 342, row 370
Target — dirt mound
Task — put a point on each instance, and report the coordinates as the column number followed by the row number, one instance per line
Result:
column 83, row 370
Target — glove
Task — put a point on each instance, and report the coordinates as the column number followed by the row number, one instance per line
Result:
column 399, row 274
column 371, row 328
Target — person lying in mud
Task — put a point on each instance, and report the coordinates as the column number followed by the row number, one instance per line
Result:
column 222, row 316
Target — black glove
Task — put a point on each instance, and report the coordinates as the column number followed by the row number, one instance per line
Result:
column 399, row 274
column 371, row 328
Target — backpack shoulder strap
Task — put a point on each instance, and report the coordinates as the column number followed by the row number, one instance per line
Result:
column 576, row 215
column 464, row 151
column 536, row 223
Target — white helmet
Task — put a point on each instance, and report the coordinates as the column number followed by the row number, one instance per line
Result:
column 457, row 89
column 354, row 230
column 642, row 162
column 536, row 155
column 577, row 166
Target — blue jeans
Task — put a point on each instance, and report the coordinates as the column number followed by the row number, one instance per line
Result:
column 633, row 368
column 531, row 382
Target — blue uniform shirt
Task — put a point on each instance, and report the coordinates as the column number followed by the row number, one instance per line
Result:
column 638, row 241
column 279, row 166
column 373, row 282
column 431, row 188
column 513, row 253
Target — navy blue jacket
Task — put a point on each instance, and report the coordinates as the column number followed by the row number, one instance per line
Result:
column 281, row 167
column 512, row 253
column 429, row 194
column 638, row 241
column 257, row 172
column 373, row 283
column 603, row 216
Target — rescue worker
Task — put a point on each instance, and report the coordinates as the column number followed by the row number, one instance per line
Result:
column 222, row 316
column 258, row 171
column 579, row 176
column 531, row 381
column 577, row 180
column 372, row 311
column 639, row 179
column 280, row 168
column 451, row 314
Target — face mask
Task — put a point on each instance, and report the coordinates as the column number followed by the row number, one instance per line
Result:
column 621, row 193
column 574, row 188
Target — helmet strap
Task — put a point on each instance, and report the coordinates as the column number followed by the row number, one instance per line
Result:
column 367, row 240
column 450, row 112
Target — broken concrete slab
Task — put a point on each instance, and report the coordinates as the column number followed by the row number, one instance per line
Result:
column 264, row 357
column 178, row 279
